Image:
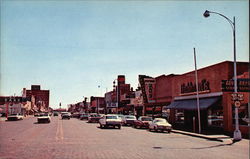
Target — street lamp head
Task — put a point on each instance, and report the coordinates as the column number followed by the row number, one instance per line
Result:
column 206, row 14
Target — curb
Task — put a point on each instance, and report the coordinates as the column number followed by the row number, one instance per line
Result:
column 220, row 138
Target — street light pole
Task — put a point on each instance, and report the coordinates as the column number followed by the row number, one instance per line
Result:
column 237, row 133
column 197, row 93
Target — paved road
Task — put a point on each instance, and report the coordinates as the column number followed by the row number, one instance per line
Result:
column 75, row 139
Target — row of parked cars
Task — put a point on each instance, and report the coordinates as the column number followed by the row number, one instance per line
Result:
column 16, row 116
column 118, row 120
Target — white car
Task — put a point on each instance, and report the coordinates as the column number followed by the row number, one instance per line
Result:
column 128, row 120
column 110, row 120
column 160, row 124
column 43, row 118
column 16, row 116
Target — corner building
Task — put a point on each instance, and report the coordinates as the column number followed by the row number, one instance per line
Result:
column 178, row 93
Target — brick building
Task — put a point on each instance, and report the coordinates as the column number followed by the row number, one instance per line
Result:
column 41, row 97
column 97, row 105
column 178, row 93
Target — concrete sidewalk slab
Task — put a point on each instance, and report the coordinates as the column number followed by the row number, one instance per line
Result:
column 220, row 138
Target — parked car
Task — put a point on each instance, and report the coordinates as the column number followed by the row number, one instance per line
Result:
column 110, row 120
column 84, row 117
column 43, row 118
column 128, row 120
column 215, row 120
column 160, row 124
column 65, row 115
column 75, row 115
column 36, row 114
column 142, row 122
column 94, row 118
column 15, row 116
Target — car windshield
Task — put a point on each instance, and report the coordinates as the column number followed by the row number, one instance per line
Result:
column 130, row 117
column 44, row 114
column 160, row 120
column 111, row 117
column 146, row 119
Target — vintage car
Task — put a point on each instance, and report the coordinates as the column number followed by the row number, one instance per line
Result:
column 84, row 117
column 36, row 114
column 44, row 118
column 55, row 113
column 16, row 116
column 142, row 122
column 94, row 118
column 128, row 120
column 65, row 115
column 110, row 120
column 75, row 115
column 160, row 124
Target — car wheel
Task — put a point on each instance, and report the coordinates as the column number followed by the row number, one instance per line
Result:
column 155, row 129
column 119, row 127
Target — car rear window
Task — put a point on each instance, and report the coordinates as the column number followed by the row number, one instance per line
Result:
column 130, row 117
column 146, row 119
column 111, row 117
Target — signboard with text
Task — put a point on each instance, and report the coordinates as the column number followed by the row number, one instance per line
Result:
column 243, row 85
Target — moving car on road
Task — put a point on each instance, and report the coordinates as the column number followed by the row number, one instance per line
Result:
column 110, row 120
column 128, row 120
column 55, row 113
column 65, row 115
column 160, row 124
column 16, row 116
column 142, row 122
column 43, row 118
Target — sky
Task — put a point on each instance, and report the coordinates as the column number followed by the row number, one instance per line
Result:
column 73, row 47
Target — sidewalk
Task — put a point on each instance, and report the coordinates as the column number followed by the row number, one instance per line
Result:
column 220, row 138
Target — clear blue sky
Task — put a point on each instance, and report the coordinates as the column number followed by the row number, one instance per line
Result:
column 71, row 47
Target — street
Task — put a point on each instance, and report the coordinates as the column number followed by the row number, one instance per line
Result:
column 64, row 139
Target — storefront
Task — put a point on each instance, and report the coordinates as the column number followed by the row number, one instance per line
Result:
column 215, row 104
column 186, row 111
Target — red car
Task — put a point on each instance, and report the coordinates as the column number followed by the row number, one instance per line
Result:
column 94, row 118
column 142, row 122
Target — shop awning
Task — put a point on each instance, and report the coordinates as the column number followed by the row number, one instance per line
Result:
column 191, row 104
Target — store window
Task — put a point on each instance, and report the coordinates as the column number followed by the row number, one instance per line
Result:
column 179, row 116
column 215, row 117
column 243, row 114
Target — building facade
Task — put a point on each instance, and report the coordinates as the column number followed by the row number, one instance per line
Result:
column 14, row 105
column 178, row 94
column 41, row 97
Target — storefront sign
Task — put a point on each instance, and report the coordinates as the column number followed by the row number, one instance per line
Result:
column 243, row 85
column 148, row 87
column 237, row 97
column 237, row 104
column 191, row 87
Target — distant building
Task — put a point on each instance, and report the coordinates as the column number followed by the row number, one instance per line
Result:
column 97, row 105
column 41, row 97
column 14, row 105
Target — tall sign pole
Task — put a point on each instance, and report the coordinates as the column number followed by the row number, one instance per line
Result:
column 197, row 92
column 237, row 133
